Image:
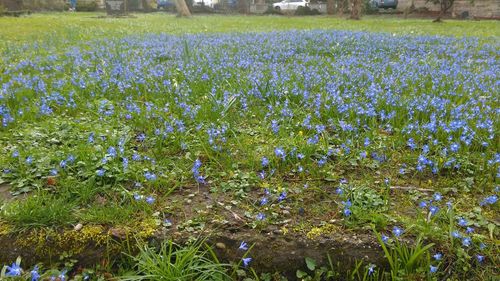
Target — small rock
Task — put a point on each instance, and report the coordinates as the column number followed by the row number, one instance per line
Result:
column 78, row 227
column 220, row 245
column 118, row 233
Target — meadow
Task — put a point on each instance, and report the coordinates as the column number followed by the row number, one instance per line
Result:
column 250, row 132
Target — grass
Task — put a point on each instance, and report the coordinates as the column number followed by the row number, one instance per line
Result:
column 86, row 26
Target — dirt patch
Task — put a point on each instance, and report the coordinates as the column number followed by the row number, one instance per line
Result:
column 5, row 194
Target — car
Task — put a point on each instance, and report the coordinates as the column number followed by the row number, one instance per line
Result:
column 167, row 5
column 205, row 3
column 290, row 5
column 384, row 4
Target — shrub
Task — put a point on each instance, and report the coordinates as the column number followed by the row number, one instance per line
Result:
column 306, row 11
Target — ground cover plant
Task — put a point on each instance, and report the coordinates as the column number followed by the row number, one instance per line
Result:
column 302, row 133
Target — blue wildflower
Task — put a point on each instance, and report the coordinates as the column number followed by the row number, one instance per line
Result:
column 385, row 238
column 246, row 261
column 433, row 210
column 466, row 241
column 14, row 270
column 264, row 162
column 150, row 176
column 150, row 200
column 437, row 196
column 462, row 222
column 396, row 231
column 243, row 246
column 280, row 152
column 490, row 200
column 263, row 201
column 282, row 196
column 437, row 256
column 35, row 275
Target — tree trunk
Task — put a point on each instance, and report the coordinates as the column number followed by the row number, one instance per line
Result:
column 330, row 7
column 243, row 6
column 182, row 8
column 445, row 6
column 340, row 7
column 355, row 9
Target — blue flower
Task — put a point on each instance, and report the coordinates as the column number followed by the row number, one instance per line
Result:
column 282, row 196
column 347, row 212
column 456, row 234
column 29, row 160
column 437, row 196
column 264, row 162
column 100, row 172
column 243, row 246
column 150, row 176
column 91, row 138
column 437, row 256
column 35, row 276
column 371, row 269
column 462, row 222
column 280, row 152
column 433, row 269
column 141, row 137
column 263, row 201
column 480, row 258
column 246, row 261
column 466, row 241
column 433, row 210
column 14, row 270
column 150, row 200
column 396, row 231
column 111, row 151
column 260, row 217
column 490, row 200
column 62, row 276
column 384, row 238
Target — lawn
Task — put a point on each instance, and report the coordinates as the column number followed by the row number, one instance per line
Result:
column 312, row 139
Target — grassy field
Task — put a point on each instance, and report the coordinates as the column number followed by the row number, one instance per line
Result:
column 361, row 138
column 85, row 26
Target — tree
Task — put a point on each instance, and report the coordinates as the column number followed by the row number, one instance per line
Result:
column 355, row 9
column 330, row 7
column 340, row 7
column 182, row 8
column 444, row 5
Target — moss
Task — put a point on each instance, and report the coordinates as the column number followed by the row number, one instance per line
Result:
column 5, row 228
column 326, row 229
column 45, row 241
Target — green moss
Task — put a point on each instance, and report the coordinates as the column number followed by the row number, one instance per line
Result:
column 325, row 229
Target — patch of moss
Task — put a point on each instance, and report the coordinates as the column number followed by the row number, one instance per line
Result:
column 325, row 229
column 45, row 241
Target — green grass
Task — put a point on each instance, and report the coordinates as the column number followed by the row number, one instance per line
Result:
column 84, row 26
